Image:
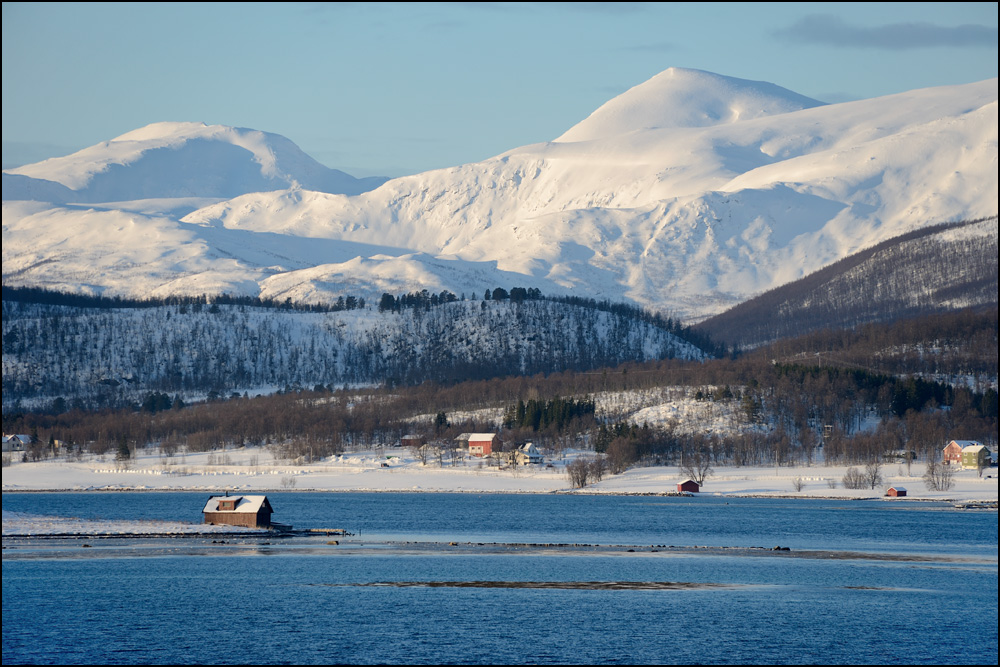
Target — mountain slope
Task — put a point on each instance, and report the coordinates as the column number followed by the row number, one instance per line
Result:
column 946, row 267
column 689, row 193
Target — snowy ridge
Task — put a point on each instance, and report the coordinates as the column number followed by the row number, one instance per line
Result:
column 687, row 194
column 165, row 160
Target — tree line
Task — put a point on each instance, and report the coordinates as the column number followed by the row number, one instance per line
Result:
column 39, row 295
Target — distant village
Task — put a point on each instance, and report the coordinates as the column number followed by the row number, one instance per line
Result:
column 254, row 511
column 964, row 454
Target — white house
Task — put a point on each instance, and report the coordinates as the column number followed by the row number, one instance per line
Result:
column 528, row 454
column 16, row 443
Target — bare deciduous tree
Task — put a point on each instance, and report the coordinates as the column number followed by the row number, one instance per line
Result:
column 697, row 465
column 939, row 476
column 853, row 479
column 598, row 466
column 578, row 472
column 873, row 474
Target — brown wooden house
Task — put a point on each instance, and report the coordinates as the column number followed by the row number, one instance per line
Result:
column 245, row 511
column 411, row 440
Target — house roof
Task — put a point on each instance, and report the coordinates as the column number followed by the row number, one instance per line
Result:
column 973, row 448
column 244, row 504
column 897, row 488
column 963, row 443
column 685, row 481
column 481, row 436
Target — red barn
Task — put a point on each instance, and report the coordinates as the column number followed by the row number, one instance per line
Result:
column 896, row 492
column 483, row 444
column 246, row 511
column 688, row 485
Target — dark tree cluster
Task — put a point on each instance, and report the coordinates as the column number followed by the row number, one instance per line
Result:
column 556, row 413
column 38, row 295
column 422, row 299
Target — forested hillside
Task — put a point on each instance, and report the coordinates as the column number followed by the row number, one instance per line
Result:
column 850, row 397
column 936, row 269
column 112, row 354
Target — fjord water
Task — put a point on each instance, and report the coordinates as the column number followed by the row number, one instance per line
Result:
column 863, row 582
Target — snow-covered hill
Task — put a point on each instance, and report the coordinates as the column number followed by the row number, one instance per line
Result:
column 170, row 160
column 688, row 193
column 934, row 269
column 115, row 356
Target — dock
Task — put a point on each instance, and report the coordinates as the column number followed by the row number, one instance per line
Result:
column 330, row 531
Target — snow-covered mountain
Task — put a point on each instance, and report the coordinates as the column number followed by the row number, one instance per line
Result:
column 688, row 193
column 173, row 160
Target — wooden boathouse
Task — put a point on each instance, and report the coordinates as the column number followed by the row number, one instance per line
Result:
column 245, row 511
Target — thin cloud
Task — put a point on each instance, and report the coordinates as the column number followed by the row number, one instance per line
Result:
column 832, row 31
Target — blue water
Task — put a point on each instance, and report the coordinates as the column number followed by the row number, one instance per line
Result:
column 882, row 583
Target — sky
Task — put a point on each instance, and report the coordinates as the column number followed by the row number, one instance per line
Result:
column 393, row 89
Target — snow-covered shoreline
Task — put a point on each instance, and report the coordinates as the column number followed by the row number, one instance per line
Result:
column 398, row 470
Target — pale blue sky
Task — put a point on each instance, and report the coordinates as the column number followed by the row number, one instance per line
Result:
column 394, row 89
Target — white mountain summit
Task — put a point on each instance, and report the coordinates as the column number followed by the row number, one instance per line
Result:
column 171, row 160
column 688, row 193
column 686, row 98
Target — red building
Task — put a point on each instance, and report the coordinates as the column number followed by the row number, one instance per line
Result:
column 688, row 485
column 952, row 454
column 483, row 444
column 896, row 492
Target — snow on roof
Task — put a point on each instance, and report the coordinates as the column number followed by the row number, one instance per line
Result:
column 481, row 436
column 973, row 448
column 244, row 504
column 897, row 488
column 964, row 443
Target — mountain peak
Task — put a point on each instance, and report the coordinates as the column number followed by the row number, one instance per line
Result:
column 679, row 97
column 181, row 159
column 166, row 130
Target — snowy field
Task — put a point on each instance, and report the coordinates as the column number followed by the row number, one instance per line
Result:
column 254, row 469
